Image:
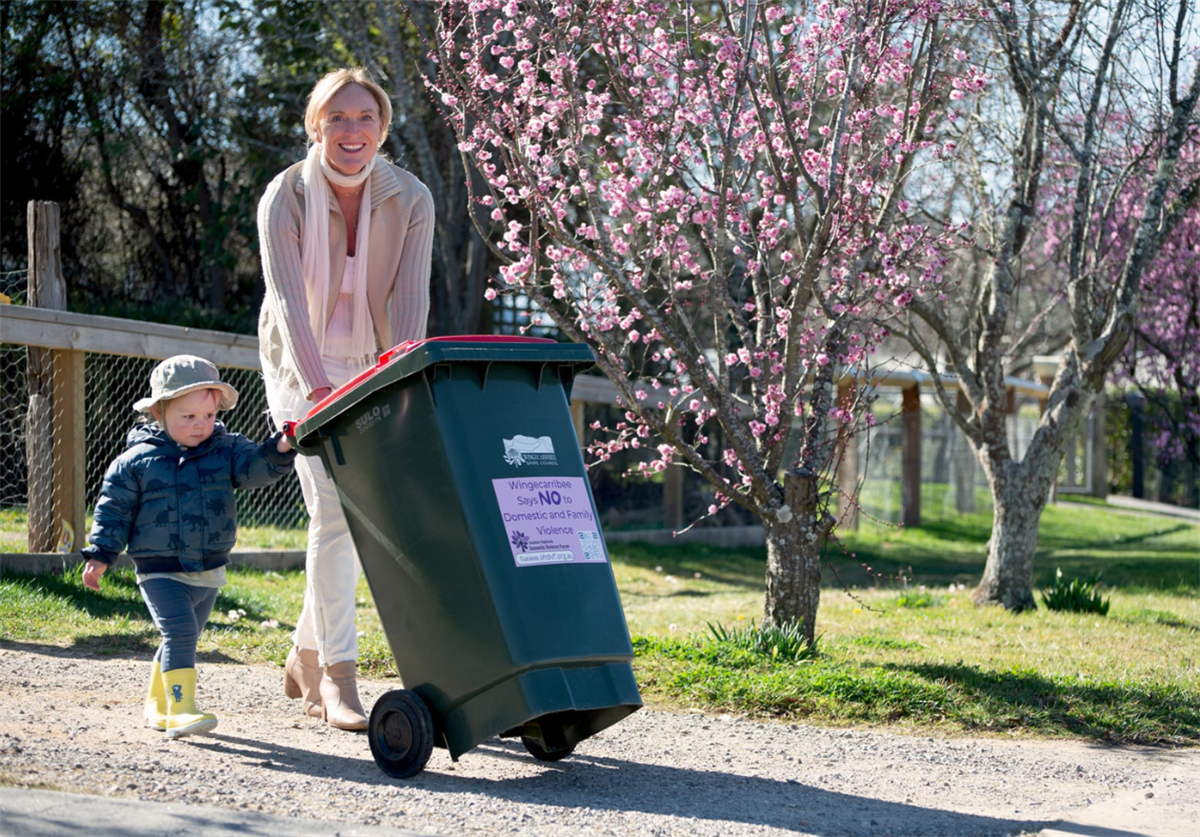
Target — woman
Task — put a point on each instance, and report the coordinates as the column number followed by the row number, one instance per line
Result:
column 346, row 241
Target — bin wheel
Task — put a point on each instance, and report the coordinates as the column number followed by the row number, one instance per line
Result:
column 401, row 733
column 541, row 753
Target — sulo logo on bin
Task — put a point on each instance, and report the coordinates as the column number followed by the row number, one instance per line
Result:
column 372, row 417
column 529, row 450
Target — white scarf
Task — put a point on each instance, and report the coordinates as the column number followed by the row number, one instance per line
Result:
column 314, row 251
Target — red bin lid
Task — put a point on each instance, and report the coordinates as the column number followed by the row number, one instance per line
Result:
column 401, row 349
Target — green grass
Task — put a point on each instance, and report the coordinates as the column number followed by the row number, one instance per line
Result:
column 14, row 528
column 271, row 537
column 900, row 645
column 1134, row 677
column 1084, row 499
column 1129, row 551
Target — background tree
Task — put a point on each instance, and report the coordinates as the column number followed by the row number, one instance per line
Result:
column 1098, row 104
column 158, row 123
column 712, row 198
column 42, row 161
column 149, row 114
column 1162, row 358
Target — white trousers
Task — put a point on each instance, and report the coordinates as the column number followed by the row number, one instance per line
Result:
column 331, row 562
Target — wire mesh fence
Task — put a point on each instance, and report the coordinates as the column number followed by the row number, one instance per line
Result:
column 951, row 479
column 111, row 384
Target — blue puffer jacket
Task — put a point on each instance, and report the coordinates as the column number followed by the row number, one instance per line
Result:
column 172, row 507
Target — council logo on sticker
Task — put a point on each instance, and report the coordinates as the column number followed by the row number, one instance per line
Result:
column 529, row 450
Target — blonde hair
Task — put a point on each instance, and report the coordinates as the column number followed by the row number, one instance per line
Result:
column 330, row 84
column 158, row 409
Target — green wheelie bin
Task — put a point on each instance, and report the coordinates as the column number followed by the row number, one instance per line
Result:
column 460, row 473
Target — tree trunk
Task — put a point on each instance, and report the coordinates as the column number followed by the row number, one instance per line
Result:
column 1008, row 575
column 794, row 549
column 1020, row 491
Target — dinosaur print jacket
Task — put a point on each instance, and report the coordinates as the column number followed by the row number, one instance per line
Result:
column 171, row 507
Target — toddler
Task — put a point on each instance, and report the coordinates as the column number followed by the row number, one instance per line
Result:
column 168, row 501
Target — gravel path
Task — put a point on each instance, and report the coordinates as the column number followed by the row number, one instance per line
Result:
column 73, row 723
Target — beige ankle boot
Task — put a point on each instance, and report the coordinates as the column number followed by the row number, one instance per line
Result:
column 302, row 679
column 339, row 697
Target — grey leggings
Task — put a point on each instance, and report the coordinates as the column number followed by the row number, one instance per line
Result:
column 180, row 611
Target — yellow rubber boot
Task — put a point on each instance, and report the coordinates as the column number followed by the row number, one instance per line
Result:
column 155, row 711
column 183, row 718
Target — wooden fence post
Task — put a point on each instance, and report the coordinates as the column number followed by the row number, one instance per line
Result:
column 55, row 447
column 577, row 420
column 847, row 474
column 1137, row 442
column 910, row 476
column 964, row 461
column 1098, row 455
column 673, row 498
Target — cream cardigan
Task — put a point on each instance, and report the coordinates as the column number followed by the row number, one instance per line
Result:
column 397, row 272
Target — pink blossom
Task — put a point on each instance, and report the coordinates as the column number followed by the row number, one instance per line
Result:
column 638, row 229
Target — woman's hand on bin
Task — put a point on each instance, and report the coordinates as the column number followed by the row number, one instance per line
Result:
column 319, row 394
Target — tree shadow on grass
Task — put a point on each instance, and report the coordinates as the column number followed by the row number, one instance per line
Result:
column 119, row 598
column 1125, row 544
column 918, row 565
column 1136, row 573
column 1150, row 616
column 139, row 645
column 1111, row 712
column 961, row 529
column 715, row 564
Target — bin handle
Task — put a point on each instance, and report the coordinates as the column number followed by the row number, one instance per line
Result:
column 408, row 345
column 289, row 429
column 396, row 351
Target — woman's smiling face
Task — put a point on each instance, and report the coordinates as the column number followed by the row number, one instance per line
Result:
column 349, row 129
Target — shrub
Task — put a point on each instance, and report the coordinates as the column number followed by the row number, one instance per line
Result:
column 783, row 643
column 917, row 598
column 1074, row 596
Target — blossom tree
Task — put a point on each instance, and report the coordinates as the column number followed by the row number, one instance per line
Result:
column 1162, row 358
column 1096, row 110
column 712, row 197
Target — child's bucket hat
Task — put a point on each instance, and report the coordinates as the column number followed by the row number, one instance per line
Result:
column 182, row 374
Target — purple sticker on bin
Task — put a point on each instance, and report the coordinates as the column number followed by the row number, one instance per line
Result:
column 549, row 520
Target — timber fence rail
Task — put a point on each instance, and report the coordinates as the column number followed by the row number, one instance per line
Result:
column 69, row 382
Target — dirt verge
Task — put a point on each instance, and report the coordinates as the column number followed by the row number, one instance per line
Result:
column 73, row 723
